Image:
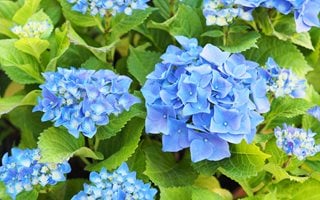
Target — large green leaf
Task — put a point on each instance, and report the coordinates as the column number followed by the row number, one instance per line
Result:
column 122, row 23
column 285, row 107
column 30, row 195
column 285, row 54
column 5, row 27
column 32, row 46
column 8, row 8
column 141, row 63
column 281, row 174
column 3, row 193
column 99, row 52
column 185, row 22
column 19, row 66
column 57, row 145
column 165, row 171
column 9, row 103
column 297, row 191
column 119, row 148
column 176, row 193
column 116, row 123
column 240, row 41
column 27, row 10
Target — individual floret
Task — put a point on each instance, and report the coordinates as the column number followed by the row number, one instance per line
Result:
column 203, row 98
column 81, row 100
column 120, row 184
column 315, row 112
column 296, row 141
column 21, row 171
column 284, row 82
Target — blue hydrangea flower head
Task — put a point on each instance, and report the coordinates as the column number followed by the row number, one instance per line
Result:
column 223, row 12
column 202, row 98
column 21, row 171
column 118, row 185
column 306, row 15
column 81, row 100
column 295, row 141
column 283, row 81
column 101, row 7
column 315, row 112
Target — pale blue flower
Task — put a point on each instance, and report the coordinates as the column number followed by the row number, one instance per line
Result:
column 117, row 185
column 205, row 99
column 81, row 100
column 22, row 171
column 295, row 141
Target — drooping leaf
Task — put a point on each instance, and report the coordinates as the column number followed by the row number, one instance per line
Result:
column 165, row 171
column 141, row 63
column 57, row 145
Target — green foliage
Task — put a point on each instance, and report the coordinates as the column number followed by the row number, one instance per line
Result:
column 141, row 63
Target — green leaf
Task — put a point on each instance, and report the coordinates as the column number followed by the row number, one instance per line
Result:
column 30, row 195
column 3, row 193
column 164, row 8
column 297, row 191
column 200, row 194
column 20, row 67
column 8, row 9
column 277, row 155
column 185, row 22
column 165, row 171
column 52, row 9
column 122, row 23
column 119, row 148
column 96, row 64
column 176, row 193
column 99, row 52
column 27, row 10
column 5, row 27
column 141, row 63
column 32, row 46
column 241, row 41
column 273, row 47
column 116, row 123
column 9, row 103
column 213, row 34
column 57, row 145
column 29, row 123
column 286, row 107
column 281, row 174
column 78, row 18
column 137, row 162
column 58, row 47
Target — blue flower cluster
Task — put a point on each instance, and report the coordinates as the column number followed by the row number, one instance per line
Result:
column 315, row 112
column 22, row 170
column 203, row 98
column 80, row 99
column 100, row 7
column 295, row 141
column 222, row 12
column 119, row 185
column 283, row 81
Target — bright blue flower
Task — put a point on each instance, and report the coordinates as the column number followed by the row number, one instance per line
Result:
column 283, row 81
column 209, row 96
column 21, row 171
column 81, row 100
column 118, row 185
column 307, row 15
column 315, row 112
column 295, row 141
column 101, row 7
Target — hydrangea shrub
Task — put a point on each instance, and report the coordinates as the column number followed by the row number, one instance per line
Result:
column 159, row 99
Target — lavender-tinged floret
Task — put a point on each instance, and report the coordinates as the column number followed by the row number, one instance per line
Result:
column 120, row 184
column 81, row 100
column 22, row 171
column 204, row 98
column 296, row 141
column 284, row 82
column 315, row 112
